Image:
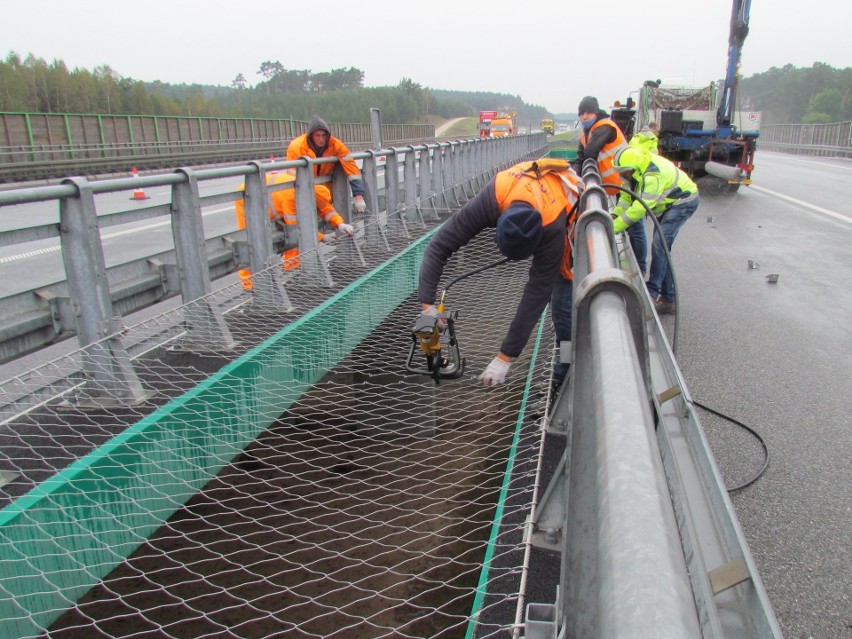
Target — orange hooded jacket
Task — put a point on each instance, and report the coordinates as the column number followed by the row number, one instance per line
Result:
column 302, row 146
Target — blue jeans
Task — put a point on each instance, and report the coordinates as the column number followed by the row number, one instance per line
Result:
column 561, row 311
column 660, row 282
column 639, row 243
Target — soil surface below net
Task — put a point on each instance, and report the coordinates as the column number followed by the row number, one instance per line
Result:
column 341, row 520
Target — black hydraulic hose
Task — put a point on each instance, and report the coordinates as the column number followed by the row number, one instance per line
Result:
column 665, row 245
column 756, row 436
column 474, row 272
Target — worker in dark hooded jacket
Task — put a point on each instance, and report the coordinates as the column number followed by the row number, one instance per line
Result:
column 318, row 143
column 531, row 205
column 600, row 140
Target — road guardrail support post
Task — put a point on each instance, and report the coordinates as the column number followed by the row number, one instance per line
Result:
column 424, row 174
column 110, row 378
column 409, row 176
column 395, row 209
column 377, row 221
column 206, row 329
column 268, row 281
column 310, row 257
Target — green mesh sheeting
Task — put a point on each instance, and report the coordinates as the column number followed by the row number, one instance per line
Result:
column 562, row 154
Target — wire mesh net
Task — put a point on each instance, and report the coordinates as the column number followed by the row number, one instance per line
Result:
column 250, row 489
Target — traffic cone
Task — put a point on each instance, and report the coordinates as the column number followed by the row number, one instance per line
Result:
column 138, row 194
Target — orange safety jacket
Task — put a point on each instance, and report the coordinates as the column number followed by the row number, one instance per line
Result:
column 607, row 154
column 299, row 147
column 283, row 207
column 549, row 186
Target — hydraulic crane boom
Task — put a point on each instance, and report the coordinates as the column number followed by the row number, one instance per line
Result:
column 739, row 30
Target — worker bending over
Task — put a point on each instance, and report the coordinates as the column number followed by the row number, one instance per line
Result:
column 671, row 195
column 319, row 143
column 283, row 213
column 532, row 207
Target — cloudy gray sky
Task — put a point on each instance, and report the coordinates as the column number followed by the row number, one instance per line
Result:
column 549, row 52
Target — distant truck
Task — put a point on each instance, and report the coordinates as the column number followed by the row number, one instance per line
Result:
column 548, row 126
column 504, row 124
column 485, row 120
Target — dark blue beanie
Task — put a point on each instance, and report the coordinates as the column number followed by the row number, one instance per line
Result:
column 518, row 231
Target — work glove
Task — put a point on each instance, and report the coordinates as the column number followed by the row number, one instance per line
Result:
column 433, row 312
column 346, row 229
column 360, row 205
column 326, row 238
column 495, row 373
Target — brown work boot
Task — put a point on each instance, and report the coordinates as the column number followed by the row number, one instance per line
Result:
column 664, row 307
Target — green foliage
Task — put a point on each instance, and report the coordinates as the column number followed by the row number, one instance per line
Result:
column 790, row 95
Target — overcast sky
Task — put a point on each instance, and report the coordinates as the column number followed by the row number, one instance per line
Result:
column 549, row 52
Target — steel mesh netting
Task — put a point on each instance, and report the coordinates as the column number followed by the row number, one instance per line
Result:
column 365, row 509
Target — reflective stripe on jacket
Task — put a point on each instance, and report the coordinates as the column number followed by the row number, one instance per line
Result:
column 607, row 154
column 284, row 203
column 661, row 186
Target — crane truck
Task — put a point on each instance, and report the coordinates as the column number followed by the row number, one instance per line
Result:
column 699, row 129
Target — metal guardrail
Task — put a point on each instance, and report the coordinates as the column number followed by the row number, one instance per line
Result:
column 28, row 160
column 95, row 292
column 650, row 543
column 833, row 139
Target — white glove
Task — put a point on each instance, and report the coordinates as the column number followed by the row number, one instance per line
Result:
column 360, row 205
column 432, row 311
column 495, row 373
column 326, row 238
column 346, row 229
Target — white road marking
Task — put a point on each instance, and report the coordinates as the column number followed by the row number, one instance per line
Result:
column 107, row 236
column 818, row 209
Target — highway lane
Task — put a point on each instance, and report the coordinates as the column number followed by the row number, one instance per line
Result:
column 42, row 260
column 777, row 358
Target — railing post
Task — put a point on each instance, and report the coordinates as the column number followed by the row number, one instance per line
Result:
column 409, row 174
column 110, row 378
column 448, row 168
column 376, row 128
column 427, row 207
column 310, row 258
column 267, row 277
column 205, row 326
column 376, row 222
column 395, row 211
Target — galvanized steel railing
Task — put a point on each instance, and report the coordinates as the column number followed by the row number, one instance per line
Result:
column 808, row 139
column 650, row 543
column 93, row 291
column 52, row 145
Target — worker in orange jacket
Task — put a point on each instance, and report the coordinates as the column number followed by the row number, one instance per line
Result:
column 318, row 143
column 601, row 139
column 532, row 206
column 283, row 211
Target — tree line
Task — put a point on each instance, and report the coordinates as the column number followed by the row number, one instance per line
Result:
column 33, row 85
column 788, row 94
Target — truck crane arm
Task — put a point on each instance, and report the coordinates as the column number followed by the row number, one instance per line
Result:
column 738, row 32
